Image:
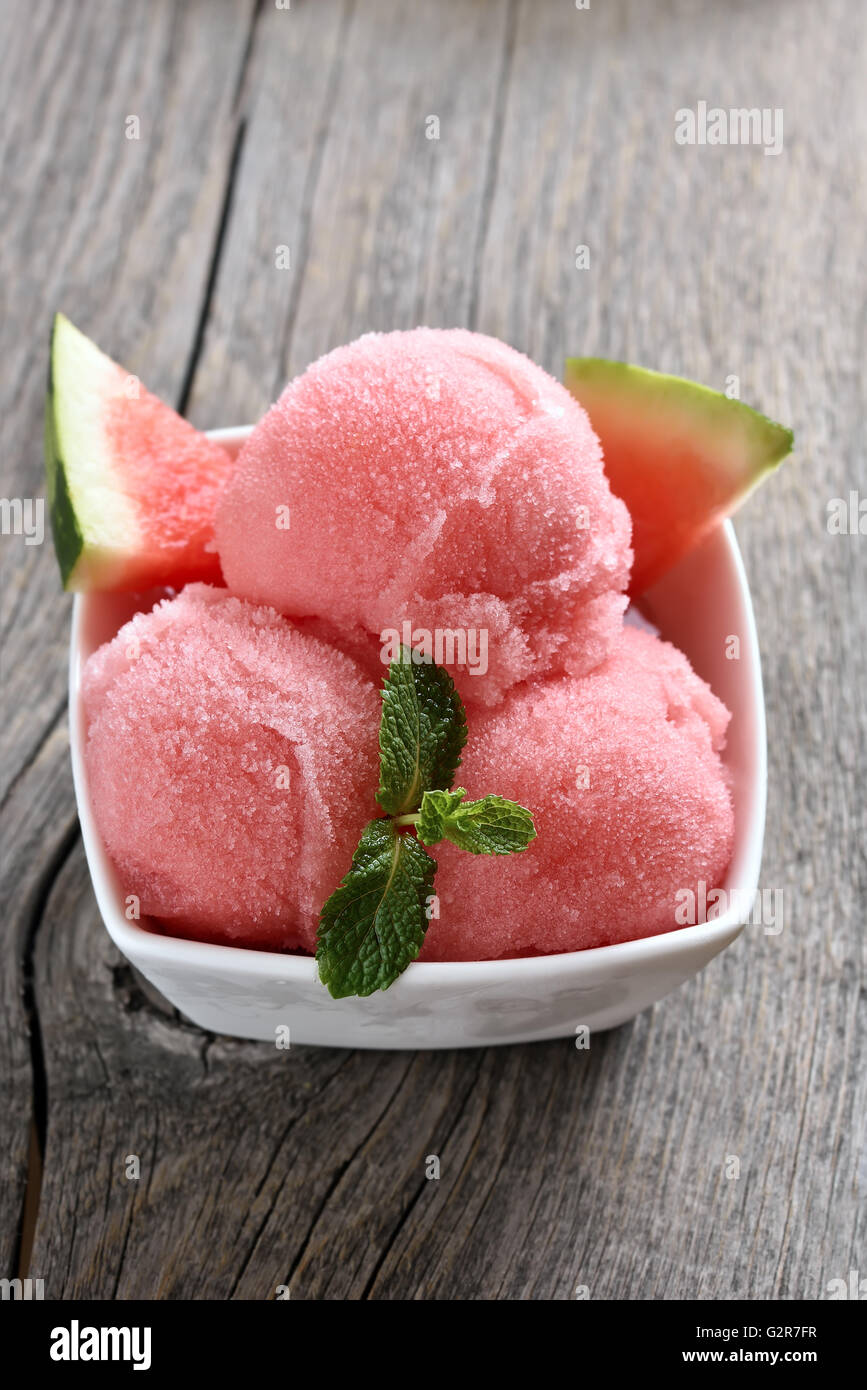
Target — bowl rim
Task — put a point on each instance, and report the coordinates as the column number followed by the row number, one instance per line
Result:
column 249, row 962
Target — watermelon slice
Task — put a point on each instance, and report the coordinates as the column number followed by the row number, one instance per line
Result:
column 682, row 457
column 132, row 487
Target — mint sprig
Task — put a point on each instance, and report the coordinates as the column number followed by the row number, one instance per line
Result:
column 374, row 924
column 490, row 826
column 422, row 732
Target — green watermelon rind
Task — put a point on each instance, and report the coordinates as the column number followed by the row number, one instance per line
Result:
column 732, row 446
column 68, row 540
column 92, row 521
column 676, row 397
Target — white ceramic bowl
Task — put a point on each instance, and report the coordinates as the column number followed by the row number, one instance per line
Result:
column 250, row 994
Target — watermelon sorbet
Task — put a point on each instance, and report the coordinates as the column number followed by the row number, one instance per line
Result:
column 232, row 761
column 408, row 486
column 440, row 483
column 630, row 799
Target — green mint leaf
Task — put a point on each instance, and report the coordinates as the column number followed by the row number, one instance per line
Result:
column 374, row 924
column 421, row 734
column 490, row 826
column 435, row 809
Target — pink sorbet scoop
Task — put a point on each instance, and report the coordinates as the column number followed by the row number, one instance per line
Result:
column 631, row 804
column 232, row 764
column 437, row 483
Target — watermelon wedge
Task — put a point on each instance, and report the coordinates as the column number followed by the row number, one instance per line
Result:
column 682, row 457
column 132, row 487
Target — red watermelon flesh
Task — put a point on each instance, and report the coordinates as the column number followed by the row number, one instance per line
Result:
column 681, row 456
column 132, row 487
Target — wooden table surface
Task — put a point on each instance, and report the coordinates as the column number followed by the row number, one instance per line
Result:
column 307, row 127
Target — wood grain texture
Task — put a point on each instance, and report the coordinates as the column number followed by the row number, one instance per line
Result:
column 119, row 234
column 307, row 128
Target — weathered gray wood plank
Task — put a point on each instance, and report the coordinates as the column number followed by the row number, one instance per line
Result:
column 118, row 233
column 379, row 221
column 713, row 261
column 558, row 1168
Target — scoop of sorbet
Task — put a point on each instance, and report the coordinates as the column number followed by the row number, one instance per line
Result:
column 232, row 764
column 435, row 483
column 631, row 804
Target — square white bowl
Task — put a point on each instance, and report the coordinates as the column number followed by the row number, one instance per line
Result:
column 250, row 994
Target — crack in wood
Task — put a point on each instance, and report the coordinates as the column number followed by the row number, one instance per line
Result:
column 340, row 1173
column 270, row 1164
column 39, row 1123
column 493, row 164
column 45, row 735
column 411, row 1205
column 311, row 183
column 213, row 268
column 243, row 66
